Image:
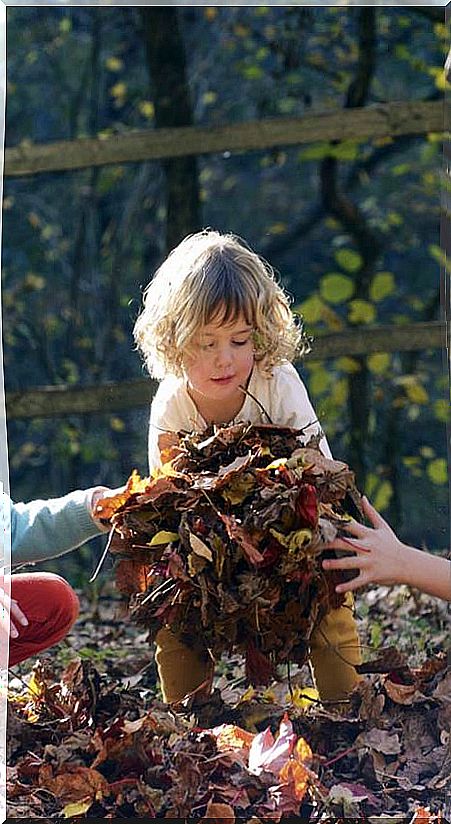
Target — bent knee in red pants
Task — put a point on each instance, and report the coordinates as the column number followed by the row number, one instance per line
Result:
column 51, row 607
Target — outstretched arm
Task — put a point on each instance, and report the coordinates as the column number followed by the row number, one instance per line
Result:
column 381, row 558
column 45, row 529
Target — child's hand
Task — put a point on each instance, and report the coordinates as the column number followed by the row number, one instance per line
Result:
column 104, row 502
column 378, row 552
column 12, row 617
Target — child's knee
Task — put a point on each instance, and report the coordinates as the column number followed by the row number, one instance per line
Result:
column 335, row 651
column 65, row 605
column 181, row 669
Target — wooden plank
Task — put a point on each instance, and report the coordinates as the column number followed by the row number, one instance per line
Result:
column 383, row 120
column 365, row 340
column 55, row 401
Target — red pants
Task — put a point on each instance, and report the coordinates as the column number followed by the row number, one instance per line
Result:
column 51, row 607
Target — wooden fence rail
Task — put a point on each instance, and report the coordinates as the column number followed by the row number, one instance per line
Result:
column 370, row 122
column 54, row 401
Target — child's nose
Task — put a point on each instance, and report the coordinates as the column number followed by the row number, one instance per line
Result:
column 224, row 355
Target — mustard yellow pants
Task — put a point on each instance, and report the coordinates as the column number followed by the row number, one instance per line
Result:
column 334, row 650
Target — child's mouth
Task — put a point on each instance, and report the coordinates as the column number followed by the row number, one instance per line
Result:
column 223, row 381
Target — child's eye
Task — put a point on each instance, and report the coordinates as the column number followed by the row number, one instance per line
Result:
column 240, row 342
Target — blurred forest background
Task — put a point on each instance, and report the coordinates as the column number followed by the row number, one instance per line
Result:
column 352, row 226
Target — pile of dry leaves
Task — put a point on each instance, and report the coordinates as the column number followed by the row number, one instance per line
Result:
column 225, row 545
column 85, row 746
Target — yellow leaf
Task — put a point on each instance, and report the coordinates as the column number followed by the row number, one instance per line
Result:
column 209, row 97
column 114, row 64
column 416, row 393
column 118, row 90
column 302, row 750
column 361, row 311
column 382, row 285
column 269, row 695
column 348, row 259
column 340, row 391
column 312, row 309
column 383, row 496
column 303, row 697
column 34, row 686
column 247, row 695
column 163, row 537
column 199, row 548
column 117, row 424
column 146, row 108
column 293, row 540
column 65, row 25
column 438, row 471
column 77, row 808
column 276, row 464
column 348, row 365
column 34, row 282
column 379, row 362
column 231, row 737
column 320, row 380
column 411, row 460
column 442, row 410
column 439, row 78
column 277, row 228
column 336, row 288
column 371, row 484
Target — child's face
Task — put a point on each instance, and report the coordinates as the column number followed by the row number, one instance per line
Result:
column 221, row 359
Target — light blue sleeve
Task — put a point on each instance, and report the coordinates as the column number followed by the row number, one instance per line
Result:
column 46, row 529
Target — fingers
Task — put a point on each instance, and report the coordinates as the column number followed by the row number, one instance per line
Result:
column 354, row 528
column 373, row 515
column 351, row 586
column 347, row 544
column 13, row 618
column 351, row 562
column 17, row 615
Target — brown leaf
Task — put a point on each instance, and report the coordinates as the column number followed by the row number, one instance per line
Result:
column 75, row 783
column 132, row 576
column 380, row 740
column 218, row 813
column 403, row 693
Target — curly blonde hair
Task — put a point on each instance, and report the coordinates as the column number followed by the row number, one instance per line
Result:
column 207, row 276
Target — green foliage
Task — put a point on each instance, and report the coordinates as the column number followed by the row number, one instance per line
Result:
column 437, row 470
column 379, row 363
column 361, row 311
column 349, row 260
column 379, row 491
column 345, row 150
column 382, row 286
column 336, row 288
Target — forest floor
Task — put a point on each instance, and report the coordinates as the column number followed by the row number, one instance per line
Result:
column 88, row 735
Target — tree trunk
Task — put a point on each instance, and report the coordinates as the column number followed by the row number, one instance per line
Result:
column 167, row 66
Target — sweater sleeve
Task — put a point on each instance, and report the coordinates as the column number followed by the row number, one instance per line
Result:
column 47, row 529
column 293, row 406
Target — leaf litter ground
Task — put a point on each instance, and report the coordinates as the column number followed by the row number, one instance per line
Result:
column 89, row 737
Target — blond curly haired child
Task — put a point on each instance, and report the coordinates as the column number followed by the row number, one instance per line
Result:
column 217, row 330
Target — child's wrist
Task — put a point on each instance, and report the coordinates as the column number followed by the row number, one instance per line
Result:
column 96, row 495
column 406, row 564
